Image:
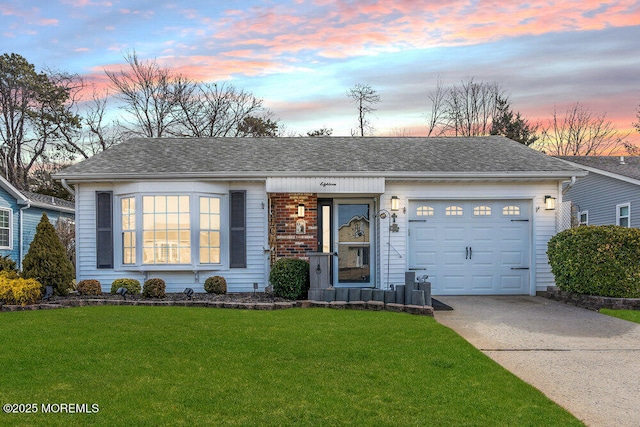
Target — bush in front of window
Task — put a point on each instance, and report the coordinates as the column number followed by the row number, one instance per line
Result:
column 597, row 260
column 46, row 261
column 7, row 264
column 215, row 285
column 154, row 288
column 18, row 291
column 131, row 285
column 89, row 287
column 290, row 278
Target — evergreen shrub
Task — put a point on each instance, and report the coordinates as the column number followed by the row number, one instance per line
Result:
column 154, row 288
column 216, row 285
column 131, row 285
column 597, row 260
column 7, row 264
column 89, row 287
column 290, row 278
column 46, row 261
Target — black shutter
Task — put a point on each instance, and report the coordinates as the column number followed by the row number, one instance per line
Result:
column 104, row 229
column 238, row 229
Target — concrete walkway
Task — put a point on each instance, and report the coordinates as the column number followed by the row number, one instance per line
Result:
column 587, row 362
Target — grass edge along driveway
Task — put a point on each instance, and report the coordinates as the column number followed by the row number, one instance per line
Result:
column 195, row 366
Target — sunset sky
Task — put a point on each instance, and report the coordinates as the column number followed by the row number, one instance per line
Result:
column 302, row 56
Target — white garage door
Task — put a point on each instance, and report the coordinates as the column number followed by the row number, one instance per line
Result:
column 471, row 247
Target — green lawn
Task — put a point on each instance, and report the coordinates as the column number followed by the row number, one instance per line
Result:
column 195, row 366
column 630, row 315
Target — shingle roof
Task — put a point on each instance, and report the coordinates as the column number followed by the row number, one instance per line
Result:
column 630, row 168
column 49, row 201
column 219, row 157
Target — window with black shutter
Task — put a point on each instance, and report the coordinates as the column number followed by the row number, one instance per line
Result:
column 104, row 229
column 237, row 235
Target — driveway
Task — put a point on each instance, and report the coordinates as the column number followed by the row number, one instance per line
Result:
column 587, row 362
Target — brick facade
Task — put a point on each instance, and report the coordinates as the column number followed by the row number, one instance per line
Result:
column 286, row 239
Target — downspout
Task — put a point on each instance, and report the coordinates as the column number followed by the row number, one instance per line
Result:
column 67, row 187
column 21, row 237
column 568, row 187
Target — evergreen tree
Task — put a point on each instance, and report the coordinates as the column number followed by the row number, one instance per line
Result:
column 47, row 260
column 511, row 125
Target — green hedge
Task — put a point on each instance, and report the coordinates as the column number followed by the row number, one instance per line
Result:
column 597, row 260
column 131, row 285
column 290, row 278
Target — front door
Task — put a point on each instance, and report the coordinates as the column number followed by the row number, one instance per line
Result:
column 353, row 265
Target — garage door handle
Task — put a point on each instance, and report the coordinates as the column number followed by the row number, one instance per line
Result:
column 519, row 268
column 466, row 248
column 470, row 252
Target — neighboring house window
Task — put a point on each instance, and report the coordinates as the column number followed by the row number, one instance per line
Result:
column 5, row 228
column 209, row 230
column 166, row 230
column 583, row 218
column 128, row 206
column 623, row 215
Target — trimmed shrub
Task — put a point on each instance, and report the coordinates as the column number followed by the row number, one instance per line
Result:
column 7, row 264
column 216, row 285
column 18, row 291
column 46, row 261
column 290, row 278
column 131, row 285
column 597, row 260
column 154, row 288
column 89, row 287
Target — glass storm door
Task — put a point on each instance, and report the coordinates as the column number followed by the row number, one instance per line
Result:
column 353, row 244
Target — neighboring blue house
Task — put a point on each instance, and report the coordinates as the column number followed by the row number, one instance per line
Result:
column 609, row 194
column 20, row 213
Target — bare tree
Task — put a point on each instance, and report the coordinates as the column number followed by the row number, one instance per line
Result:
column 438, row 113
column 212, row 109
column 322, row 132
column 364, row 97
column 579, row 132
column 465, row 110
column 149, row 94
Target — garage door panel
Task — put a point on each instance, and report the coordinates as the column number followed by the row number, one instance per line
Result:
column 495, row 241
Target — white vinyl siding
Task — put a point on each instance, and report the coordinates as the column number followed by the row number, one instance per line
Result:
column 238, row 279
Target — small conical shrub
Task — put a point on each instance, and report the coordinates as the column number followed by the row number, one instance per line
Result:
column 46, row 261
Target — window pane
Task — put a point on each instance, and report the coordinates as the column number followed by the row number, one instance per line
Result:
column 425, row 211
column 4, row 237
column 172, row 204
column 209, row 230
column 482, row 210
column 511, row 210
column 453, row 211
column 624, row 210
column 624, row 222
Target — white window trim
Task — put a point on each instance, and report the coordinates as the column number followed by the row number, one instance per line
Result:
column 10, row 211
column 586, row 213
column 194, row 207
column 618, row 216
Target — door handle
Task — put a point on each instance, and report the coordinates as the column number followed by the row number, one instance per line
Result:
column 470, row 252
column 466, row 255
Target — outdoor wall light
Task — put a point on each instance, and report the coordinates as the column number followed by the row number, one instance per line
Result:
column 549, row 203
column 188, row 292
column 395, row 203
column 300, row 210
column 122, row 291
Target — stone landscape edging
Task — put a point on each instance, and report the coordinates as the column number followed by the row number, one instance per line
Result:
column 352, row 305
column 592, row 302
